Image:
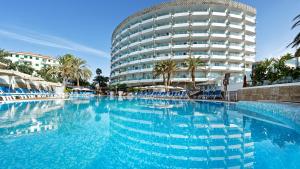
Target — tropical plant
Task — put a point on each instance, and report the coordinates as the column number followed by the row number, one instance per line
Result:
column 80, row 70
column 100, row 80
column 71, row 68
column 25, row 69
column 259, row 73
column 159, row 69
column 296, row 40
column 3, row 55
column 47, row 75
column 274, row 70
column 64, row 68
column 192, row 64
column 171, row 68
column 122, row 87
column 280, row 69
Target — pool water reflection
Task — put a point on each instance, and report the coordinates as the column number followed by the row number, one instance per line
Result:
column 142, row 133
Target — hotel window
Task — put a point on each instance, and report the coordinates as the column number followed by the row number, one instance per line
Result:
column 17, row 56
column 36, row 64
column 25, row 56
column 37, row 58
column 30, row 57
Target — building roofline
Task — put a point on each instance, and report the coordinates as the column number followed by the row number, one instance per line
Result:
column 34, row 54
column 186, row 3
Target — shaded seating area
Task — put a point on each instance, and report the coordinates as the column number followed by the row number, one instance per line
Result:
column 19, row 86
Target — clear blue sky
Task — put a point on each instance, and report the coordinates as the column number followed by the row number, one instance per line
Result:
column 84, row 27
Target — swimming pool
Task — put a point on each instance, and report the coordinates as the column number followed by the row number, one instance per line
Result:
column 105, row 132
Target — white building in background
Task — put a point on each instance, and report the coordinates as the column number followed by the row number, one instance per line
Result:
column 36, row 61
column 220, row 32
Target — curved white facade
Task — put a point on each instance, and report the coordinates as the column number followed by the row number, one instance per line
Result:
column 220, row 32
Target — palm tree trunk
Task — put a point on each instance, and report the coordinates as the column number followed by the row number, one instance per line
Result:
column 99, row 88
column 164, row 81
column 78, row 82
column 193, row 78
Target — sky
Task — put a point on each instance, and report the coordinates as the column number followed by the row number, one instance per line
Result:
column 84, row 27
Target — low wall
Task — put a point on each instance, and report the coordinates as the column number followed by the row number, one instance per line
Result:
column 289, row 92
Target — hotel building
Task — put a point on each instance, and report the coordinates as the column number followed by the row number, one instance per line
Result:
column 220, row 32
column 36, row 61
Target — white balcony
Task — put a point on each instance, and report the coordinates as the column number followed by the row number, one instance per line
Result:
column 163, row 27
column 235, row 47
column 181, row 14
column 235, row 58
column 183, row 46
column 218, row 57
column 250, row 29
column 124, row 31
column 134, row 44
column 250, row 59
column 134, row 53
column 181, row 36
column 236, row 16
column 250, row 39
column 147, row 31
column 198, row 35
column 147, row 40
column 202, row 46
column 218, row 35
column 134, row 35
column 215, row 24
column 233, row 68
column 162, row 38
column 134, row 26
column 218, row 67
column 163, row 17
column 200, row 24
column 179, row 57
column 161, row 48
column 218, row 46
column 138, row 71
column 124, row 39
column 179, row 25
column 122, row 48
column 147, row 21
column 235, row 37
column 250, row 19
column 235, row 26
column 250, row 49
column 219, row 14
column 200, row 13
column 147, row 50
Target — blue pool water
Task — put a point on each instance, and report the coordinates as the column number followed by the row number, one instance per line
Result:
column 142, row 133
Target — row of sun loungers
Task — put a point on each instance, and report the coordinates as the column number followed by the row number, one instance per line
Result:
column 8, row 94
column 175, row 95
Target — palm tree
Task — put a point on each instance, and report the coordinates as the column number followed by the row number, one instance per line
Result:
column 171, row 68
column 64, row 68
column 192, row 64
column 80, row 70
column 296, row 42
column 159, row 69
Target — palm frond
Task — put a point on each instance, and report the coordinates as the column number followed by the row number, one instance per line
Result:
column 296, row 41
